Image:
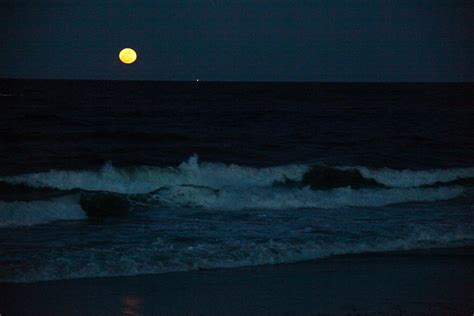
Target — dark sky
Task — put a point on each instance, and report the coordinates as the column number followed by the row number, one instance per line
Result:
column 239, row 40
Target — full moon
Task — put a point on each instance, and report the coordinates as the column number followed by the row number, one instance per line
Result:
column 128, row 56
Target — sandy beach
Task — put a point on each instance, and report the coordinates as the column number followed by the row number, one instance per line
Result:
column 423, row 283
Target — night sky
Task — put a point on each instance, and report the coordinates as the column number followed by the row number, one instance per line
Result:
column 239, row 40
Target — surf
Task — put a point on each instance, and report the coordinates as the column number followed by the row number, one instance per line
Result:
column 110, row 191
column 144, row 179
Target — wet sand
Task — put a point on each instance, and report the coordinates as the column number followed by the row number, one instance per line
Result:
column 409, row 283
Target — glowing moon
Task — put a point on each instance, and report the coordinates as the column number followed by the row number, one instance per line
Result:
column 127, row 56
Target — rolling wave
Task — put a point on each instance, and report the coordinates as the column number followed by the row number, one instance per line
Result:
column 216, row 186
column 70, row 207
column 144, row 179
column 416, row 178
column 22, row 213
column 265, row 198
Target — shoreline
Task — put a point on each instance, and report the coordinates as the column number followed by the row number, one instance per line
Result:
column 430, row 282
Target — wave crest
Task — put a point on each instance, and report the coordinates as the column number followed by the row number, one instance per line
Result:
column 415, row 178
column 219, row 186
column 144, row 179
column 21, row 213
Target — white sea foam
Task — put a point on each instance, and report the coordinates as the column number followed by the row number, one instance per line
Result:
column 270, row 198
column 232, row 187
column 113, row 261
column 144, row 179
column 68, row 208
column 40, row 212
column 415, row 178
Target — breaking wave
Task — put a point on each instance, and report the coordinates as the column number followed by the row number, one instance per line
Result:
column 185, row 196
column 217, row 186
column 22, row 213
column 416, row 178
column 144, row 179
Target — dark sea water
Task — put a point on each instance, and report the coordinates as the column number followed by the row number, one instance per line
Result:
column 214, row 173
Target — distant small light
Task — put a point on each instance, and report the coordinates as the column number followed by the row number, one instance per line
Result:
column 197, row 80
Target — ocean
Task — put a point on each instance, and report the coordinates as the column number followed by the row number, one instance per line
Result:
column 118, row 178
